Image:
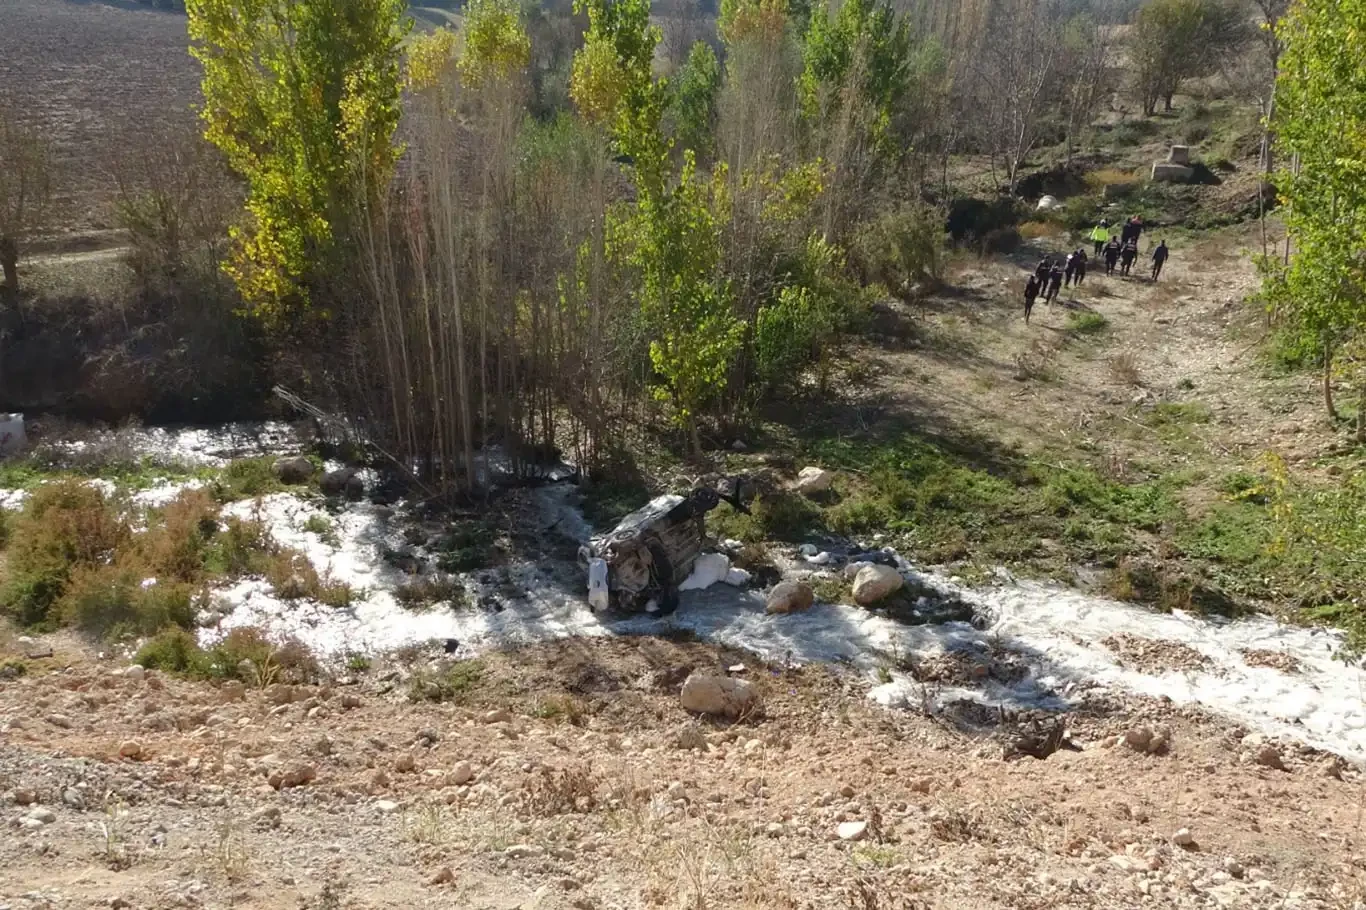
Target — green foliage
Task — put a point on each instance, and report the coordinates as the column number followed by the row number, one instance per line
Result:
column 865, row 47
column 246, row 478
column 452, row 683
column 1086, row 322
column 302, row 98
column 1320, row 119
column 773, row 516
column 673, row 239
column 64, row 527
column 1321, row 534
column 796, row 329
column 901, row 247
column 496, row 45
column 693, row 104
column 173, row 650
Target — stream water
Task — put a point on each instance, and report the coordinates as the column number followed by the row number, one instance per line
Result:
column 1278, row 679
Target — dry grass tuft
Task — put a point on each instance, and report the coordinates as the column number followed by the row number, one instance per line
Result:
column 563, row 791
column 1124, row 369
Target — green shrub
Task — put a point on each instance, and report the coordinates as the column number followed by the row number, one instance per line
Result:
column 241, row 548
column 452, row 683
column 247, row 478
column 174, row 650
column 104, row 599
column 1086, row 322
column 901, row 247
column 64, row 526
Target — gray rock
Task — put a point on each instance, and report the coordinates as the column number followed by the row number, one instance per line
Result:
column 718, row 696
column 813, row 480
column 790, row 597
column 293, row 470
column 852, row 831
column 461, row 774
column 73, row 798
column 874, row 583
column 1171, row 173
column 42, row 816
column 342, row 482
column 1270, row 757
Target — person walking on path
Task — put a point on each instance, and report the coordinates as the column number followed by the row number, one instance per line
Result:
column 1127, row 254
column 1081, row 267
column 1031, row 294
column 1133, row 229
column 1054, row 282
column 1111, row 256
column 1041, row 272
column 1160, row 258
column 1100, row 235
column 1070, row 271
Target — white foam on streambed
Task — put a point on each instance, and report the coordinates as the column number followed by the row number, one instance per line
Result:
column 1057, row 633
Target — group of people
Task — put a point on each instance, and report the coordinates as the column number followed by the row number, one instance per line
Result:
column 1118, row 250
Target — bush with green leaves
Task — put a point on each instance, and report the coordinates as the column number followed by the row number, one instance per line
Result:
column 901, row 248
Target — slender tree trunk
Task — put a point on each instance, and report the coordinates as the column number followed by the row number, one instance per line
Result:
column 1361, row 409
column 9, row 260
column 1328, row 381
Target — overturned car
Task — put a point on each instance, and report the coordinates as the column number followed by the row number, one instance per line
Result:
column 640, row 563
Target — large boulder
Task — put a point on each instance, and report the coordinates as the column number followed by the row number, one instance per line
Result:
column 813, row 480
column 873, row 583
column 718, row 696
column 342, row 482
column 790, row 597
column 295, row 470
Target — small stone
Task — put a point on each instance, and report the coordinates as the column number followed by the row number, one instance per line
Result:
column 773, row 829
column 1233, row 867
column 293, row 776
column 134, row 673
column 280, row 694
column 42, row 816
column 922, row 785
column 677, row 791
column 852, row 831
column 73, row 798
column 25, row 796
column 59, row 720
column 847, row 791
column 462, row 773
column 443, row 876
column 349, row 701
column 387, row 806
column 1269, row 756
column 267, row 817
column 130, row 749
column 498, row 716
column 1184, row 838
column 405, row 763
column 521, row 851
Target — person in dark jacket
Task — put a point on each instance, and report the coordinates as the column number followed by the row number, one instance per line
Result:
column 1069, row 270
column 1127, row 254
column 1031, row 294
column 1133, row 229
column 1160, row 258
column 1111, row 256
column 1080, row 267
column 1041, row 271
column 1054, row 282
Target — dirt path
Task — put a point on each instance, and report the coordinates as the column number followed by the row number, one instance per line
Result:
column 967, row 361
